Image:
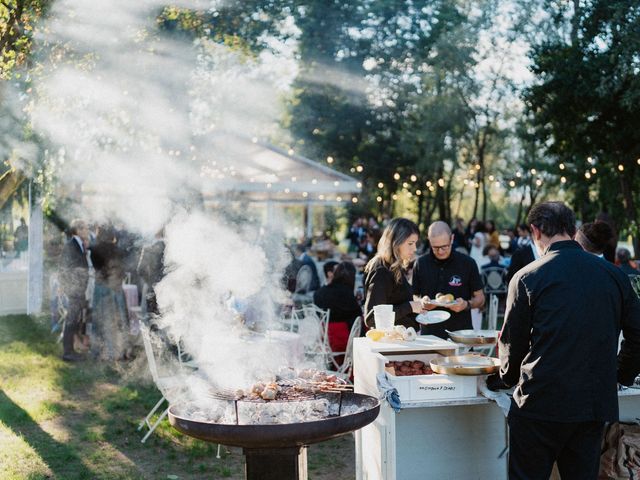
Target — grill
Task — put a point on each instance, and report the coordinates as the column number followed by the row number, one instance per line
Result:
column 278, row 451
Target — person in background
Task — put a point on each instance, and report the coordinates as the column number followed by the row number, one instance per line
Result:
column 74, row 276
column 493, row 236
column 338, row 297
column 493, row 255
column 459, row 235
column 594, row 237
column 478, row 242
column 109, row 311
column 150, row 269
column 558, row 348
column 623, row 260
column 386, row 279
column 367, row 247
column 446, row 271
column 305, row 258
column 328, row 269
column 21, row 236
column 520, row 258
column 524, row 236
column 609, row 251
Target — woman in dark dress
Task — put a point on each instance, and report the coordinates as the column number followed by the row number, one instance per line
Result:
column 343, row 307
column 386, row 274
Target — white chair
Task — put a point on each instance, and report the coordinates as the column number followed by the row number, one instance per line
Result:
column 492, row 313
column 344, row 370
column 167, row 384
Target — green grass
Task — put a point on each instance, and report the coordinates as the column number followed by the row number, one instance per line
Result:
column 79, row 421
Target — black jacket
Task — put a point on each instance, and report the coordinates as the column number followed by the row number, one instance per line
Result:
column 520, row 258
column 339, row 299
column 560, row 337
column 381, row 288
column 74, row 270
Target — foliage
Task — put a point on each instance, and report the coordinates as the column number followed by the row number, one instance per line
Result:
column 18, row 19
column 585, row 105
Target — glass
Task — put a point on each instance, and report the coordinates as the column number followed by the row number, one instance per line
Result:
column 441, row 248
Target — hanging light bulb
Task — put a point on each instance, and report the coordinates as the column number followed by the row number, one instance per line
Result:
column 379, row 199
column 396, row 176
column 621, row 167
column 428, row 184
column 441, row 182
column 594, row 171
column 512, row 183
column 587, row 175
column 405, row 185
column 380, row 185
column 359, row 168
column 359, row 184
column 394, row 196
column 563, row 179
column 418, row 192
column 538, row 182
column 561, row 166
column 533, row 171
column 354, row 199
column 329, row 160
column 413, row 178
column 491, row 178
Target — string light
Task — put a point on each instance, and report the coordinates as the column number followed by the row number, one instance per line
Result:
column 590, row 160
column 563, row 179
column 394, row 196
column 413, row 178
column 428, row 184
column 359, row 184
column 594, row 171
column 305, row 194
column 587, row 175
column 432, row 188
column 338, row 199
column 638, row 161
column 621, row 167
column 380, row 185
column 533, row 171
column 518, row 174
column 441, row 182
column 491, row 178
column 329, row 160
column 359, row 168
column 538, row 182
column 379, row 199
column 405, row 185
column 409, row 194
column 477, row 166
column 466, row 182
column 512, row 183
column 396, row 176
column 354, row 199
column 418, row 192
column 290, row 152
column 561, row 166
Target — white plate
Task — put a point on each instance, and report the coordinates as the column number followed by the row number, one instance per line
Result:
column 436, row 316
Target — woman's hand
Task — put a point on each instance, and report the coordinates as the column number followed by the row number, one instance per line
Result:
column 459, row 306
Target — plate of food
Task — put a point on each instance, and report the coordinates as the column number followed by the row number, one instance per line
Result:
column 443, row 300
column 434, row 316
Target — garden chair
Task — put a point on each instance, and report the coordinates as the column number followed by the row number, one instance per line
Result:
column 345, row 369
column 166, row 384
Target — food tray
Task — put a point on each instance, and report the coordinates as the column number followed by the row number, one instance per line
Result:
column 433, row 386
column 441, row 304
column 469, row 364
column 474, row 337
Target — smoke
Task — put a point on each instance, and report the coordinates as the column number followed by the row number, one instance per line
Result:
column 131, row 115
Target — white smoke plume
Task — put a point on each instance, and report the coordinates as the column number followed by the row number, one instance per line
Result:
column 129, row 112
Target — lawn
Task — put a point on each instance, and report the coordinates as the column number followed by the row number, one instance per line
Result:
column 79, row 421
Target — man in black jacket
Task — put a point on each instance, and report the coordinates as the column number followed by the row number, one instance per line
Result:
column 558, row 347
column 74, row 276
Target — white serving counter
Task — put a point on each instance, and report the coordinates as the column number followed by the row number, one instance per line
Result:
column 464, row 438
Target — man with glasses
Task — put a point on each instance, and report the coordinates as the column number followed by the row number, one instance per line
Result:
column 445, row 271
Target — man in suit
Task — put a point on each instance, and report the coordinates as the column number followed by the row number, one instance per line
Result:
column 522, row 257
column 74, row 276
column 558, row 348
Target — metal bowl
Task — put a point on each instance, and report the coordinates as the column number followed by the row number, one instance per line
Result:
column 474, row 337
column 469, row 364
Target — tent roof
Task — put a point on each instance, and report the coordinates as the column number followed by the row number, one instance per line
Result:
column 261, row 171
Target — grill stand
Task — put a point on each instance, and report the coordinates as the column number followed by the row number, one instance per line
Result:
column 288, row 463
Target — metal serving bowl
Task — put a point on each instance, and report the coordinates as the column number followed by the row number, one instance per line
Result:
column 469, row 364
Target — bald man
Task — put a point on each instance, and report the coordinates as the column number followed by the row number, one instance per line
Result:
column 443, row 270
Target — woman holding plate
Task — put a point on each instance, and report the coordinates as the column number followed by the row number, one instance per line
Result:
column 387, row 277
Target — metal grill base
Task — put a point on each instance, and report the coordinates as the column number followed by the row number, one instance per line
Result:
column 276, row 463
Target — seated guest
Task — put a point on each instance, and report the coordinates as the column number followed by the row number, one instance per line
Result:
column 594, row 237
column 328, row 269
column 493, row 255
column 338, row 297
column 623, row 259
